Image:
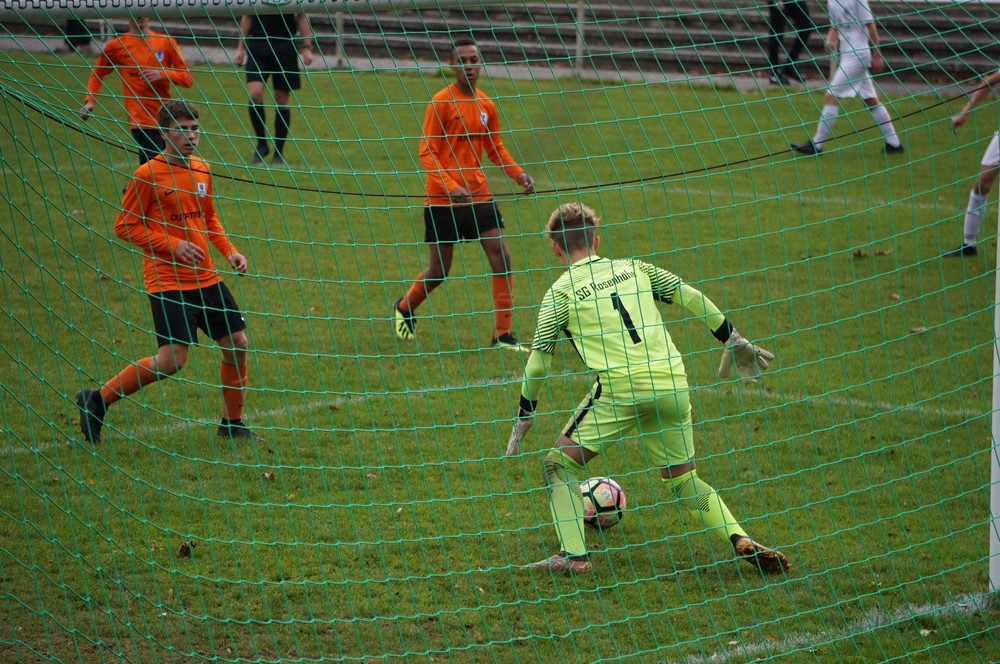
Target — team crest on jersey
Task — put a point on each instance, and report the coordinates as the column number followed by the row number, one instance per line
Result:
column 483, row 118
column 202, row 190
column 160, row 55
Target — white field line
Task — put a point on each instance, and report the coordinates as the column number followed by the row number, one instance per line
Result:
column 965, row 605
column 785, row 397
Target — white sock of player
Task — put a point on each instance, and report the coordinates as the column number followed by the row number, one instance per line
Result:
column 973, row 217
column 827, row 118
column 881, row 116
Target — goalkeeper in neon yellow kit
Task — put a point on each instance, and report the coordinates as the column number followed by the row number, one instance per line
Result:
column 608, row 309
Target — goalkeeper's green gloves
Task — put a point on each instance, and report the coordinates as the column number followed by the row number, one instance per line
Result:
column 749, row 359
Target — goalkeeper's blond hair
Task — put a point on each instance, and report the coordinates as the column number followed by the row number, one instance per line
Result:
column 572, row 226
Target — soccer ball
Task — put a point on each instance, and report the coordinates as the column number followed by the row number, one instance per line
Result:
column 603, row 502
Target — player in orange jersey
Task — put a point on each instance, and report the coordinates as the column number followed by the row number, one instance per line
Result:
column 148, row 62
column 168, row 213
column 461, row 123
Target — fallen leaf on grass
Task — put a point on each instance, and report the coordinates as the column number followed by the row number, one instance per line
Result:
column 883, row 252
column 77, row 213
column 918, row 330
column 894, row 296
column 185, row 549
column 334, row 406
column 313, row 308
column 103, row 277
column 371, row 476
column 858, row 253
column 267, row 476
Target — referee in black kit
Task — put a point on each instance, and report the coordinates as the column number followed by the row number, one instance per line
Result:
column 269, row 48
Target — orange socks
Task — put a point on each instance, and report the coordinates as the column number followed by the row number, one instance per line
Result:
column 131, row 379
column 415, row 296
column 234, row 387
column 503, row 303
column 503, row 300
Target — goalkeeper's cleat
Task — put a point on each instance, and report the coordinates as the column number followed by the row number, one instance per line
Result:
column 508, row 342
column 806, row 148
column 404, row 322
column 894, row 149
column 767, row 560
column 236, row 429
column 92, row 410
column 563, row 562
column 961, row 252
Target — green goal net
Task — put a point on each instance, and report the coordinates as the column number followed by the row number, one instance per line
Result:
column 373, row 516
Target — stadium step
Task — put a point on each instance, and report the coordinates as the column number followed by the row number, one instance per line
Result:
column 920, row 41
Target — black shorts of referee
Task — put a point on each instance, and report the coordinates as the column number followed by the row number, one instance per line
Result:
column 276, row 58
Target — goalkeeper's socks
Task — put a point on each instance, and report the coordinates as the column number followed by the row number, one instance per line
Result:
column 562, row 474
column 702, row 501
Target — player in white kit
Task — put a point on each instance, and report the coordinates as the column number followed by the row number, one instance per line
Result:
column 855, row 37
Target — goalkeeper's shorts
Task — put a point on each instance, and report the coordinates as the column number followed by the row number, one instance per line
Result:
column 663, row 420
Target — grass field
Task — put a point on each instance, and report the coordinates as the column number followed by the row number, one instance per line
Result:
column 377, row 519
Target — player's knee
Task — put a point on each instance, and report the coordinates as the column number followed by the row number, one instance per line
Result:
column 984, row 184
column 434, row 277
column 240, row 342
column 168, row 364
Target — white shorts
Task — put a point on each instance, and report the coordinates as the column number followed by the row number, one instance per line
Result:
column 991, row 158
column 852, row 79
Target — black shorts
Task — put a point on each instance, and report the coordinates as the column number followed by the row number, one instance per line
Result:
column 178, row 315
column 150, row 142
column 273, row 57
column 446, row 224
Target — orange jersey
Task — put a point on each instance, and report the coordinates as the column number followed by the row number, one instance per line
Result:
column 130, row 54
column 164, row 204
column 457, row 129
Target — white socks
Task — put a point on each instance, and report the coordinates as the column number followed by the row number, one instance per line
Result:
column 827, row 118
column 973, row 217
column 881, row 116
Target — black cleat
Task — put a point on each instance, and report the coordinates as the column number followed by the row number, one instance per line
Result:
column 806, row 148
column 258, row 155
column 507, row 341
column 961, row 252
column 777, row 78
column 236, row 429
column 894, row 149
column 279, row 161
column 403, row 325
column 790, row 73
column 92, row 410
